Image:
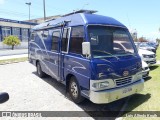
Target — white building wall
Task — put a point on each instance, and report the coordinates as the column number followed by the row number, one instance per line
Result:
column 10, row 24
column 23, row 45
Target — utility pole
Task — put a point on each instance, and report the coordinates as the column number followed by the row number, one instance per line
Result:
column 29, row 4
column 44, row 9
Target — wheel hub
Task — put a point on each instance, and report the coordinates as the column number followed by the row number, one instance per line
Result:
column 38, row 69
column 74, row 89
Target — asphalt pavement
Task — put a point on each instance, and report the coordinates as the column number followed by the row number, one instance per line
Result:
column 28, row 92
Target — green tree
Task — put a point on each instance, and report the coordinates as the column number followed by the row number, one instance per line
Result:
column 11, row 41
column 158, row 40
column 142, row 39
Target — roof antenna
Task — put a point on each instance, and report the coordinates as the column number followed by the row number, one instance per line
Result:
column 80, row 11
column 74, row 11
column 84, row 5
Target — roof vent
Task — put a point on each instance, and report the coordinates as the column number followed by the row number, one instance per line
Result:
column 81, row 11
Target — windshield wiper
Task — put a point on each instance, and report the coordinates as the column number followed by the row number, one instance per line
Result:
column 106, row 53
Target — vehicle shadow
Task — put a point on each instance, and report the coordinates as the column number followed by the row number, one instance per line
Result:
column 96, row 111
column 147, row 79
column 135, row 101
column 154, row 67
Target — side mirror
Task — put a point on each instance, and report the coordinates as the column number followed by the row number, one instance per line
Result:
column 86, row 48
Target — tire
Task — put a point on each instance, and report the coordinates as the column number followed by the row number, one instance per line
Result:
column 74, row 91
column 4, row 97
column 40, row 73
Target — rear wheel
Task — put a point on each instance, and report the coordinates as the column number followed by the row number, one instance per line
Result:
column 74, row 91
column 40, row 73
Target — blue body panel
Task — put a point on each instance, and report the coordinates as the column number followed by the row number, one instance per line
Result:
column 82, row 68
column 83, row 19
column 103, row 20
column 113, row 68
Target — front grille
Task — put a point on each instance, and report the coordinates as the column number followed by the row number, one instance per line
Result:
column 153, row 50
column 147, row 62
column 145, row 75
column 146, row 68
column 123, row 81
column 152, row 62
column 151, row 56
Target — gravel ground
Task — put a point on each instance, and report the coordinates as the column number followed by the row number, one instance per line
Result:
column 28, row 92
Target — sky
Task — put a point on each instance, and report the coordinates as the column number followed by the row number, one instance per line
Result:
column 142, row 16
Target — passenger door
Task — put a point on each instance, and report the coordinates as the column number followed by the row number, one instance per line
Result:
column 64, row 43
column 59, row 49
column 53, row 64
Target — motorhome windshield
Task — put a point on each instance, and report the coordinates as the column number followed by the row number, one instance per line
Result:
column 109, row 41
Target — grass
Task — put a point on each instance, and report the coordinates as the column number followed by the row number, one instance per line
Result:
column 14, row 60
column 158, row 53
column 149, row 99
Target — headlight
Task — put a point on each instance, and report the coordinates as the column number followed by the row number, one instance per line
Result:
column 100, row 85
column 149, row 49
column 145, row 56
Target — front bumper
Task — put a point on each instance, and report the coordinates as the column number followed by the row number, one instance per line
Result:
column 150, row 61
column 107, row 96
column 145, row 73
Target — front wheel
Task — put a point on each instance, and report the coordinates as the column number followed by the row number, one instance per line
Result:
column 74, row 91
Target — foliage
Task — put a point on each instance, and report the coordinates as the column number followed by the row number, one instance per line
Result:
column 142, row 39
column 158, row 40
column 11, row 41
column 158, row 54
column 134, row 36
column 148, row 99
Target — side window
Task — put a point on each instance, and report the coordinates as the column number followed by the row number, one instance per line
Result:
column 6, row 31
column 45, row 34
column 55, row 38
column 33, row 35
column 77, row 37
column 16, row 32
column 25, row 34
column 65, row 40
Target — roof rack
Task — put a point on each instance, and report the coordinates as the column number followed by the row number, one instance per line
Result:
column 48, row 26
column 81, row 11
column 53, row 18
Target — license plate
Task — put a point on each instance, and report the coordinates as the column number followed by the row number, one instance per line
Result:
column 126, row 90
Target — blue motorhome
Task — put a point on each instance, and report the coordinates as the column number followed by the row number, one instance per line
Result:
column 82, row 51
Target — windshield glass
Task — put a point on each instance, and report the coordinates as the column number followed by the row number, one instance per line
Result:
column 109, row 41
column 144, row 45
